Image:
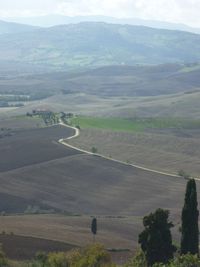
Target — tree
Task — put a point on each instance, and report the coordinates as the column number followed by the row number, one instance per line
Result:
column 94, row 227
column 156, row 240
column 190, row 215
column 94, row 150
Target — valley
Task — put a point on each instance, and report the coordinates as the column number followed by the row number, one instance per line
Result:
column 97, row 120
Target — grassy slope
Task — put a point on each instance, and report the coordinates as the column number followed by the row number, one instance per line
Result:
column 161, row 144
column 134, row 125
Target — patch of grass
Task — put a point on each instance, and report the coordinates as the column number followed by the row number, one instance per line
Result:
column 134, row 125
column 190, row 68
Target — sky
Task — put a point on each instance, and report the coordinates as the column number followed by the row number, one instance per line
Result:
column 178, row 11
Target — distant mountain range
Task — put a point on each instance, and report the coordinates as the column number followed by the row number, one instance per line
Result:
column 11, row 27
column 92, row 44
column 55, row 20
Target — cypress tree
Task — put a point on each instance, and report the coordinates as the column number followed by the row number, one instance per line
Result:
column 94, row 228
column 190, row 214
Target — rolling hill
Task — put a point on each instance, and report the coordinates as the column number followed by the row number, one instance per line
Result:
column 98, row 44
column 50, row 176
column 109, row 81
column 169, row 90
column 11, row 27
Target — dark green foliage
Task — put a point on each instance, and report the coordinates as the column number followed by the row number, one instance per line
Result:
column 190, row 214
column 138, row 260
column 186, row 260
column 156, row 240
column 42, row 257
column 94, row 150
column 3, row 259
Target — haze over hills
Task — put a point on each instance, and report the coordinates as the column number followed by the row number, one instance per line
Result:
column 11, row 27
column 98, row 44
column 53, row 20
column 109, row 81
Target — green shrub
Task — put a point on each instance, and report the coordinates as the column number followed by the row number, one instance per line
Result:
column 138, row 260
column 3, row 259
column 57, row 260
column 94, row 150
column 187, row 260
column 92, row 256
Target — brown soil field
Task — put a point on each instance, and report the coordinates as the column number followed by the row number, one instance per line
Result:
column 25, row 248
column 168, row 150
column 85, row 184
column 22, row 147
column 31, row 146
column 114, row 232
column 20, row 122
column 37, row 170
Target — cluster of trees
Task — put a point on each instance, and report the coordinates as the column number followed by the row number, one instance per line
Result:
column 48, row 117
column 5, row 104
column 156, row 240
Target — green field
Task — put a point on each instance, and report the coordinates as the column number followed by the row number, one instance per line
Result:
column 133, row 125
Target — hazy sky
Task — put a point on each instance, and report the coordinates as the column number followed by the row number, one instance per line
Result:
column 183, row 11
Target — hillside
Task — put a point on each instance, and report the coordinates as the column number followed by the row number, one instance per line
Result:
column 49, row 176
column 98, row 44
column 10, row 27
column 109, row 81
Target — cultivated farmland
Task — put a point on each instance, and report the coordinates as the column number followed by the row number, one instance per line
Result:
column 26, row 248
column 49, row 177
column 36, row 168
column 27, row 147
column 168, row 150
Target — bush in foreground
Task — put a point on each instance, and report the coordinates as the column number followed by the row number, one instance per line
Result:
column 187, row 260
column 92, row 256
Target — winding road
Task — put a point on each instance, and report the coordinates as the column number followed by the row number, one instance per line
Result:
column 77, row 133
